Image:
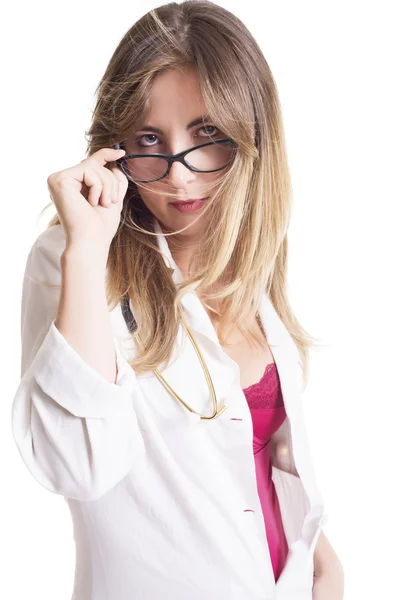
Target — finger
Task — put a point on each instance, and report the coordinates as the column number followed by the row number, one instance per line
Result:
column 122, row 183
column 110, row 177
column 92, row 180
column 105, row 155
column 112, row 173
column 109, row 183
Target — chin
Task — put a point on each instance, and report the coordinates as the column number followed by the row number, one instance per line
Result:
column 171, row 219
column 183, row 220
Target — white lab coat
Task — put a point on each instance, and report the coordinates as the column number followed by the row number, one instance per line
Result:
column 164, row 504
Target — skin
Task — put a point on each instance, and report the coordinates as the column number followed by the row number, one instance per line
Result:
column 175, row 100
column 328, row 572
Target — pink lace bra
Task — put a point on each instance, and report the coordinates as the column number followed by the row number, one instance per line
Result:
column 266, row 405
column 267, row 409
column 265, row 393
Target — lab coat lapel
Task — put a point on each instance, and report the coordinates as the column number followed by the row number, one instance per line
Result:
column 283, row 350
column 200, row 322
column 285, row 353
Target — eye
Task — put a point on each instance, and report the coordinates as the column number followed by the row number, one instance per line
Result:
column 146, row 135
column 210, row 127
column 153, row 135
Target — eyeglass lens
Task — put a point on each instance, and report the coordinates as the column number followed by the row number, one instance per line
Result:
column 208, row 158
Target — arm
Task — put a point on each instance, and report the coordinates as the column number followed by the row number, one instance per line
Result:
column 82, row 315
column 328, row 572
column 74, row 426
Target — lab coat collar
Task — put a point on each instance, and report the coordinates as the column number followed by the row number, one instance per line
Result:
column 166, row 253
column 195, row 313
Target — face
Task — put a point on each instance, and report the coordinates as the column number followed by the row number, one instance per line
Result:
column 175, row 101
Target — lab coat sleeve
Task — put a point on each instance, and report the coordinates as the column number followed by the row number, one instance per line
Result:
column 76, row 432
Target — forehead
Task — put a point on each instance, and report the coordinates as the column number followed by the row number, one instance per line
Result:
column 175, row 98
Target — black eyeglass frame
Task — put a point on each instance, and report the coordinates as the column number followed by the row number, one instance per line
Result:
column 171, row 158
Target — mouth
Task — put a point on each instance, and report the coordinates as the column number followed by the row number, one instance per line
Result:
column 189, row 201
column 189, row 206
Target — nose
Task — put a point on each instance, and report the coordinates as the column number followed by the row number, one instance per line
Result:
column 180, row 175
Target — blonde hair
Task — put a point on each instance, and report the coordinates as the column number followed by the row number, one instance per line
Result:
column 244, row 247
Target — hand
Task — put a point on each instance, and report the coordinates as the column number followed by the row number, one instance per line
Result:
column 89, row 199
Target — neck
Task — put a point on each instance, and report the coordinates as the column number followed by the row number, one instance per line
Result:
column 182, row 258
column 182, row 249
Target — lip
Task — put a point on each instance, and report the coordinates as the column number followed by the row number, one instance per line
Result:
column 188, row 201
column 189, row 206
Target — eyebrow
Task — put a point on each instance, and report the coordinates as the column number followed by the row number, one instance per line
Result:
column 196, row 121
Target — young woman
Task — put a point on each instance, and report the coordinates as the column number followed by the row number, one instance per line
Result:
column 160, row 390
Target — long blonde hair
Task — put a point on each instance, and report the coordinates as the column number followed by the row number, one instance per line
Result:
column 244, row 249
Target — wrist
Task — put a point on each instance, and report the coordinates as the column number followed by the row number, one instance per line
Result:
column 94, row 254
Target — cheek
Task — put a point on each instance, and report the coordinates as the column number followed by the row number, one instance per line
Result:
column 155, row 202
column 150, row 197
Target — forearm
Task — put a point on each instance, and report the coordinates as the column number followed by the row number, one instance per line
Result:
column 83, row 315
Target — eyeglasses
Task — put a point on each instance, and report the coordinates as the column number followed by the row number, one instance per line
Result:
column 204, row 158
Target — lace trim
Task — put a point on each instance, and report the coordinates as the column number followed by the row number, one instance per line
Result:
column 267, row 392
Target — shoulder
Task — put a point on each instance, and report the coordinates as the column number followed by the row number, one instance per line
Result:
column 52, row 241
column 43, row 262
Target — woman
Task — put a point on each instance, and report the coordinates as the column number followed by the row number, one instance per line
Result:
column 160, row 391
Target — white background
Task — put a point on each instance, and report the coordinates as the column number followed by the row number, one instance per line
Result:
column 336, row 65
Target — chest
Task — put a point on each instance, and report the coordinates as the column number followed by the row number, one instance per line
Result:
column 251, row 358
column 161, row 416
